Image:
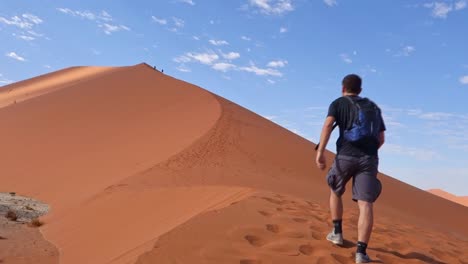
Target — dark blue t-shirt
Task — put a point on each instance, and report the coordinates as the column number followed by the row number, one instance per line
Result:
column 344, row 112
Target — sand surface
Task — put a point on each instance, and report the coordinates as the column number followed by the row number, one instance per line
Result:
column 138, row 167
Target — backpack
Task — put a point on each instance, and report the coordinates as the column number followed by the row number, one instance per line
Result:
column 366, row 122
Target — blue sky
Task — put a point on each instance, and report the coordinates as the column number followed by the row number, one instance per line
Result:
column 283, row 59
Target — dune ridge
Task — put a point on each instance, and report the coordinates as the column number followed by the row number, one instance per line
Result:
column 47, row 83
column 463, row 200
column 142, row 168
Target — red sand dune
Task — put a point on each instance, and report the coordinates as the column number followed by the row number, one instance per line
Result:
column 463, row 200
column 139, row 167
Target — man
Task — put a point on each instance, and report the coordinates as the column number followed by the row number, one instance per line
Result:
column 355, row 158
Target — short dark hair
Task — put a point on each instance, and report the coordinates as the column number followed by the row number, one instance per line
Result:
column 352, row 83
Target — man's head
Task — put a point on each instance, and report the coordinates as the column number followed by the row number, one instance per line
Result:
column 352, row 84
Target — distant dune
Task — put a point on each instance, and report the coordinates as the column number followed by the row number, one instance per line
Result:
column 139, row 167
column 463, row 200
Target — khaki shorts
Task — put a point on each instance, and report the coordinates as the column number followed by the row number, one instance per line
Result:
column 363, row 171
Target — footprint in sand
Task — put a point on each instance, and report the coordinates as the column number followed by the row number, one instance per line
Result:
column 306, row 249
column 254, row 240
column 273, row 228
column 264, row 213
column 299, row 220
column 274, row 201
column 250, row 261
column 316, row 235
column 340, row 258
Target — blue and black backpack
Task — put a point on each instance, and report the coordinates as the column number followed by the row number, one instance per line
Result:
column 366, row 122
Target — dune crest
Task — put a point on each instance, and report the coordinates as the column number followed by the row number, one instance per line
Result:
column 463, row 200
column 28, row 89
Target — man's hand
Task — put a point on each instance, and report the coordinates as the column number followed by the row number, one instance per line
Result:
column 321, row 160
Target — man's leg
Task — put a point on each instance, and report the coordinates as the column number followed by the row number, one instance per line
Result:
column 365, row 223
column 336, row 206
column 336, row 209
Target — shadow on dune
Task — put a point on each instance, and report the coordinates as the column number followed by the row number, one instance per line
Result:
column 411, row 255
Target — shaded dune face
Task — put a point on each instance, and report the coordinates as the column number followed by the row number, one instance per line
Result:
column 170, row 173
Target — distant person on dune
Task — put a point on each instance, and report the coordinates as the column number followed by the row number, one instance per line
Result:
column 361, row 135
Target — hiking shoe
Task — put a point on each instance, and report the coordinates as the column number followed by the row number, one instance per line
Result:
column 362, row 258
column 336, row 239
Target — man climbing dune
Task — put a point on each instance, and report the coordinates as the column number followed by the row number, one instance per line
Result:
column 361, row 135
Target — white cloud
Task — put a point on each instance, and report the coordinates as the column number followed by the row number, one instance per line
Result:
column 182, row 68
column 196, row 38
column 15, row 56
column 261, row 72
column 102, row 19
column 246, row 38
column 160, row 21
column 4, row 81
column 109, row 29
column 273, row 7
column 442, row 9
column 406, row 51
column 47, row 66
column 283, row 30
column 277, row 64
column 330, row 2
column 460, row 5
column 345, row 57
column 271, row 81
column 180, row 23
column 224, row 67
column 464, row 79
column 218, row 42
column 24, row 37
column 417, row 153
column 182, row 59
column 26, row 21
column 231, row 55
column 205, row 58
column 190, row 2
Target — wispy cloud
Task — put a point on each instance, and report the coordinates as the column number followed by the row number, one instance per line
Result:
column 231, row 55
column 224, row 67
column 261, row 71
column 406, row 51
column 330, row 2
column 160, row 21
column 272, row 7
column 346, row 58
column 15, row 56
column 103, row 19
column 189, row 2
column 442, row 9
column 464, row 79
column 218, row 42
column 178, row 22
column 4, row 81
column 207, row 58
column 277, row 64
column 246, row 38
column 25, row 23
column 109, row 28
column 283, row 30
column 420, row 154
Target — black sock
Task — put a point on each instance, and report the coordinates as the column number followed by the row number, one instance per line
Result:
column 361, row 247
column 337, row 225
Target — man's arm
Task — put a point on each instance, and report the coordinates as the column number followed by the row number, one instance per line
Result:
column 381, row 138
column 324, row 137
